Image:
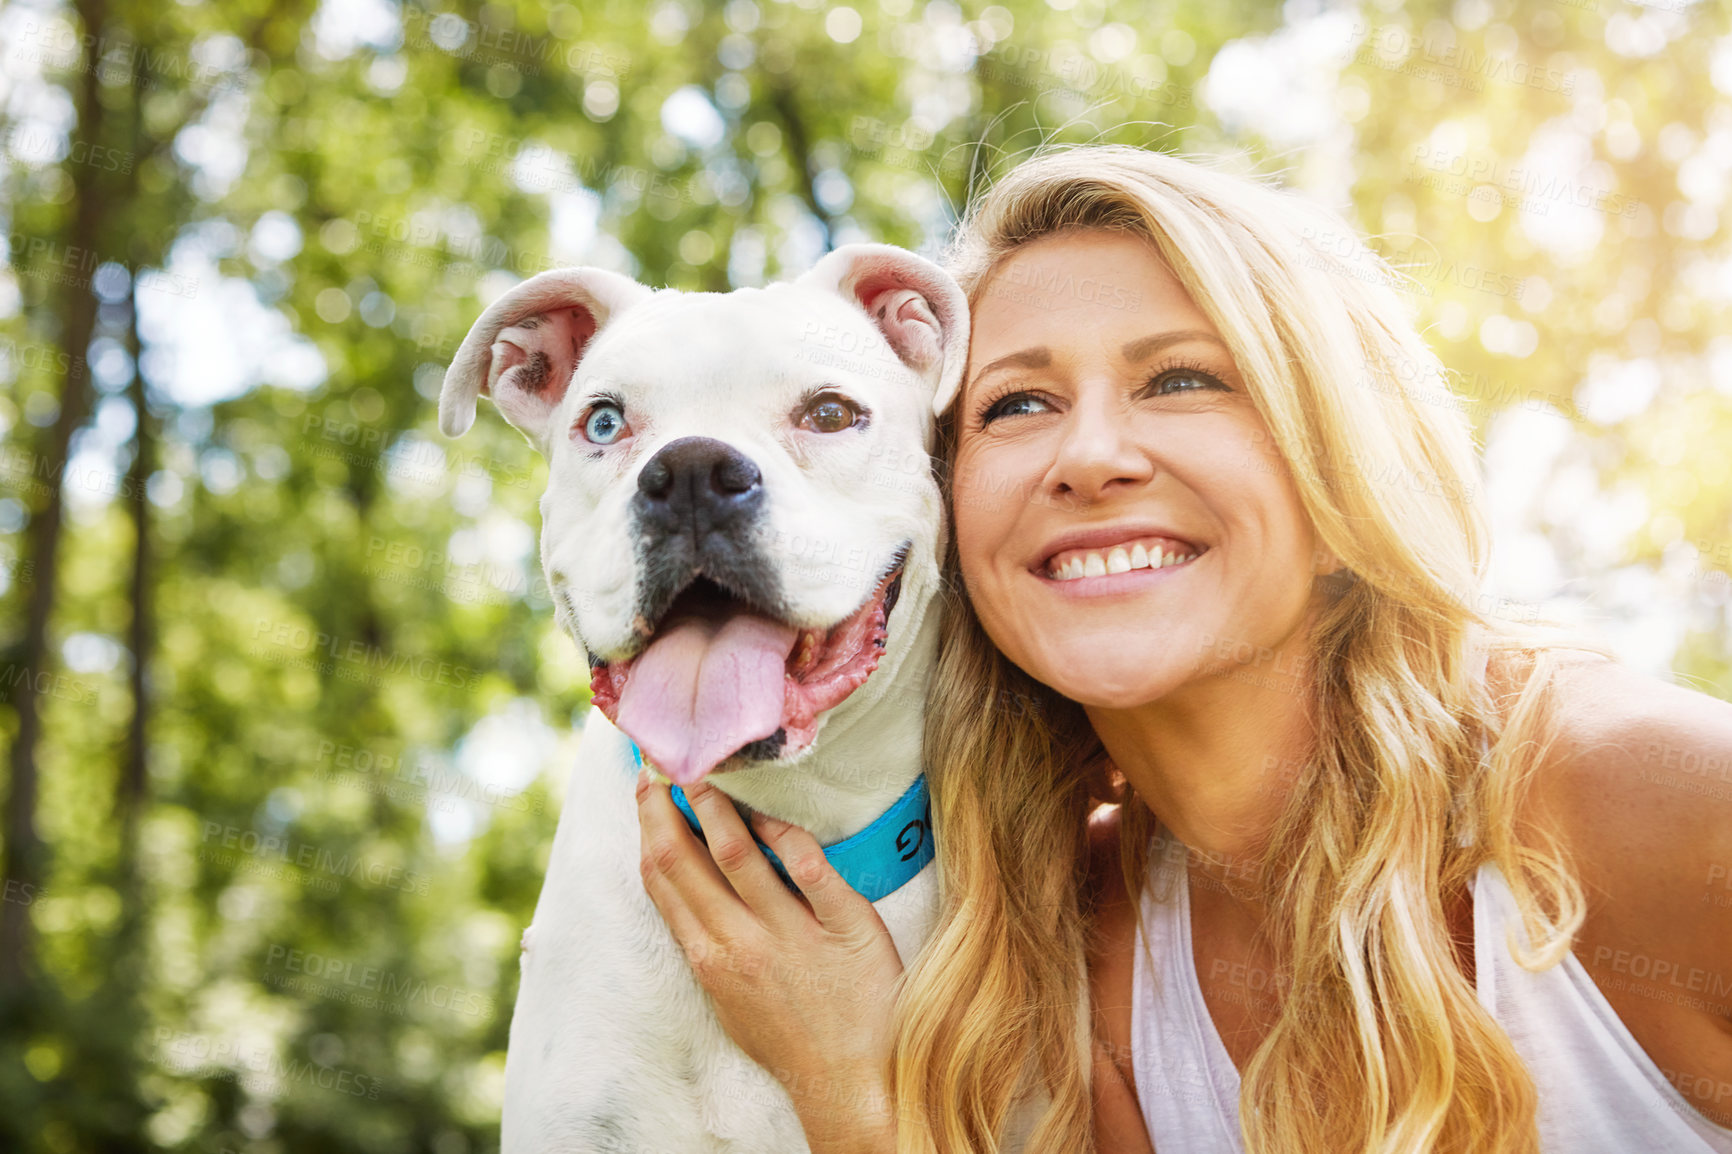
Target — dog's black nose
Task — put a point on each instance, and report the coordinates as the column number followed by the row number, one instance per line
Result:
column 702, row 481
column 699, row 510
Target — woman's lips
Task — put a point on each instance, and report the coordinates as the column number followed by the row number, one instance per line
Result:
column 1148, row 553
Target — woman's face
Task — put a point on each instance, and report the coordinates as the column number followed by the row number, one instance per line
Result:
column 1102, row 421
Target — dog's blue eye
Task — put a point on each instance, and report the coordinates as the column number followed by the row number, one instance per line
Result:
column 604, row 424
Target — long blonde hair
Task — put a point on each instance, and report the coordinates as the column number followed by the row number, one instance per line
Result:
column 1380, row 1043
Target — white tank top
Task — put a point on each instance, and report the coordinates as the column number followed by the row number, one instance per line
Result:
column 1599, row 1092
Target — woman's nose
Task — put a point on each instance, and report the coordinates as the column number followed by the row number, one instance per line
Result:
column 1097, row 448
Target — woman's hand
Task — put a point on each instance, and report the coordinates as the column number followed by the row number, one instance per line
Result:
column 805, row 987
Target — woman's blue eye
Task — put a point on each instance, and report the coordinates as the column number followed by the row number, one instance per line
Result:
column 1009, row 406
column 1183, row 381
column 604, row 424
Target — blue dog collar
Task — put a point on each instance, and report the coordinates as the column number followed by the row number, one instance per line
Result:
column 877, row 861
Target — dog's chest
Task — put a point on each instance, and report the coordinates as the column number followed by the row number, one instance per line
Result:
column 613, row 1042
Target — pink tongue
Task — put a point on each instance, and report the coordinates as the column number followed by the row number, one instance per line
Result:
column 703, row 689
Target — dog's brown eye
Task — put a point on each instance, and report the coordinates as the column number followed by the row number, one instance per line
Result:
column 831, row 415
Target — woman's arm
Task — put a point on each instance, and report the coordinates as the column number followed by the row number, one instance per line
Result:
column 1639, row 784
column 804, row 987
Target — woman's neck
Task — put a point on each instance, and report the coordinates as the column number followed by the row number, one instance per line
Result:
column 1217, row 759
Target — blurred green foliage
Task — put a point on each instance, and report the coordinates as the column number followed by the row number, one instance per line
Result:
column 295, row 927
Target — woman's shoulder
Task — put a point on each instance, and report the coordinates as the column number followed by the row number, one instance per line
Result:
column 1638, row 782
column 1640, row 752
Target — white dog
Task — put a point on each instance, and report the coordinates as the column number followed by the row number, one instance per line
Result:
column 742, row 531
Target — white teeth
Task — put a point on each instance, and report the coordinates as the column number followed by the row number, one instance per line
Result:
column 1118, row 560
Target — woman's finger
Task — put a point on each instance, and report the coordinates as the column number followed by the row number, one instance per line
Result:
column 671, row 852
column 694, row 941
column 838, row 906
column 739, row 858
column 687, row 930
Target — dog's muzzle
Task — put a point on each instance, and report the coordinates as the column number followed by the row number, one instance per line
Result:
column 721, row 673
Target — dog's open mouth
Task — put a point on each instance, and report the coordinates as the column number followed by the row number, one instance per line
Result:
column 718, row 677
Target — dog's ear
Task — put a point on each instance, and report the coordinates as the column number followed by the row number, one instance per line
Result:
column 525, row 347
column 914, row 303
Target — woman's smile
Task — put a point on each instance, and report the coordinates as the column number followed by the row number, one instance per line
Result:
column 1118, row 553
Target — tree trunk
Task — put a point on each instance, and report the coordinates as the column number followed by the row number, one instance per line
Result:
column 800, row 148
column 22, row 857
column 132, row 787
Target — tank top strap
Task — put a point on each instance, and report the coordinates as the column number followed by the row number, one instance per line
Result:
column 1599, row 1091
column 1187, row 1085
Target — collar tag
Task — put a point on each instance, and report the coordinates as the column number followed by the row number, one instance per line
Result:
column 877, row 861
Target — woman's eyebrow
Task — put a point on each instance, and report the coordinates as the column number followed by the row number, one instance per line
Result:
column 1038, row 357
column 1144, row 347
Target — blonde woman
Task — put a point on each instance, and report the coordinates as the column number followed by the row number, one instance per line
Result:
column 1385, row 874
